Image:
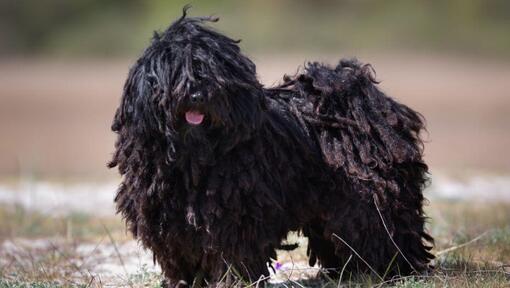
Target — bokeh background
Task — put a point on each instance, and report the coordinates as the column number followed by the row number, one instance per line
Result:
column 63, row 63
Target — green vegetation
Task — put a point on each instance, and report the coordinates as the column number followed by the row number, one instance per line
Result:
column 116, row 27
column 16, row 222
column 15, row 284
column 472, row 243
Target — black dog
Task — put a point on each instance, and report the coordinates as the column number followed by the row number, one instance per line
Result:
column 218, row 169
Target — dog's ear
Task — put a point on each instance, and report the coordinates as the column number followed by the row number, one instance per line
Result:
column 142, row 115
column 124, row 122
column 138, row 109
column 125, row 112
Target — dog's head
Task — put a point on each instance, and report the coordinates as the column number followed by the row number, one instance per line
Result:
column 192, row 85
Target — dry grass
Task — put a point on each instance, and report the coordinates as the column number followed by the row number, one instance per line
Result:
column 17, row 222
column 42, row 251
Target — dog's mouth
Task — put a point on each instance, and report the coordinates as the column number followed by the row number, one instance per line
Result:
column 194, row 117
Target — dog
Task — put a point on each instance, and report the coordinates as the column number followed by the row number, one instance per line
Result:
column 218, row 169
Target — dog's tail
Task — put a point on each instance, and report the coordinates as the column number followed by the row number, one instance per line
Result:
column 365, row 136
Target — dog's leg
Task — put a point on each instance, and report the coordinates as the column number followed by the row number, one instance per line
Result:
column 166, row 283
column 381, row 239
column 321, row 250
column 344, row 245
column 251, row 268
column 177, row 272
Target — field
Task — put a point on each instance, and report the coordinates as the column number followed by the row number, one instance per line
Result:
column 473, row 248
column 57, row 222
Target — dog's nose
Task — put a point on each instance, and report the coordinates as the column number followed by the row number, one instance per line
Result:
column 197, row 97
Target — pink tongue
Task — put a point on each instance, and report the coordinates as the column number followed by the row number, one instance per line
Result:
column 194, row 117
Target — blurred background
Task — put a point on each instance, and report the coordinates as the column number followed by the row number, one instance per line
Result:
column 63, row 63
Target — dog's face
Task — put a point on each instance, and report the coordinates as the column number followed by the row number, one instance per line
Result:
column 192, row 85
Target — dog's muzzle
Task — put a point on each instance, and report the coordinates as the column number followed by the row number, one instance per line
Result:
column 193, row 115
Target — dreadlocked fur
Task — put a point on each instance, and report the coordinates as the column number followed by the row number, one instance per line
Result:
column 325, row 153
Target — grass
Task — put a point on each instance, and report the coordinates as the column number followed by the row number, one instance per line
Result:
column 16, row 222
column 39, row 251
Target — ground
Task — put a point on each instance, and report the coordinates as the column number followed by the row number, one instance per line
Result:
column 92, row 250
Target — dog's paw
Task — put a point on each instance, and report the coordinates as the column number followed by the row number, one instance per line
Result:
column 174, row 284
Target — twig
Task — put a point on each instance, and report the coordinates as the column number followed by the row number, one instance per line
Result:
column 389, row 265
column 293, row 266
column 197, row 281
column 343, row 269
column 256, row 283
column 376, row 200
column 453, row 248
column 325, row 274
column 70, row 261
column 403, row 278
column 118, row 254
column 226, row 273
column 297, row 283
column 357, row 254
